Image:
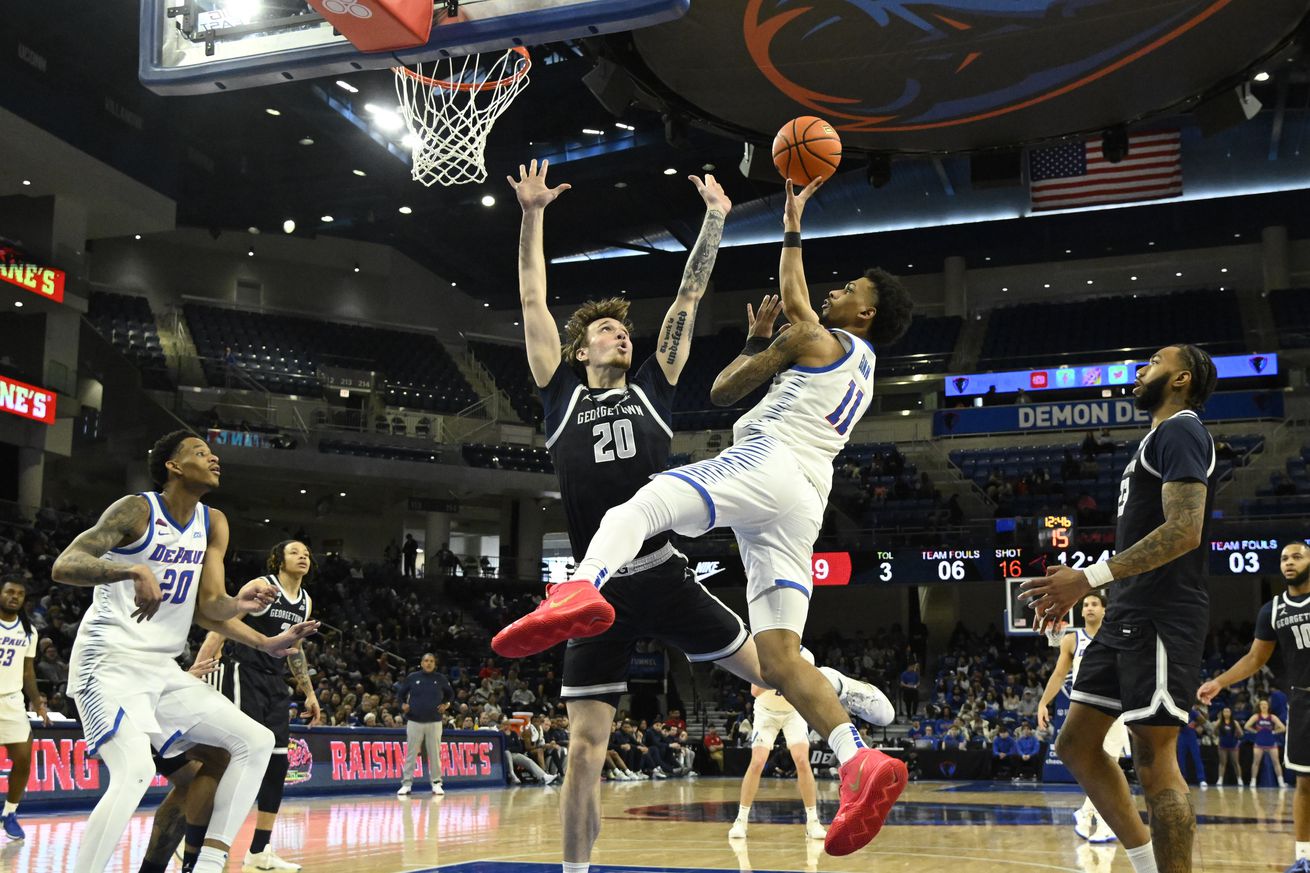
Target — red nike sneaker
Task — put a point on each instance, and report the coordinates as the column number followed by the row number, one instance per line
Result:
column 572, row 610
column 870, row 784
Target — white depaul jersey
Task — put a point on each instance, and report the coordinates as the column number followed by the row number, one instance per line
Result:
column 813, row 409
column 16, row 646
column 176, row 554
column 1083, row 640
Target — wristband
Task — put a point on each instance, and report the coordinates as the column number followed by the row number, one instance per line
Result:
column 755, row 345
column 791, row 239
column 1099, row 574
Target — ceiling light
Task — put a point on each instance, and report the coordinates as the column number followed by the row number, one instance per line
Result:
column 1223, row 269
column 388, row 120
column 454, row 284
column 1133, row 278
column 488, row 200
column 356, row 266
column 1005, row 289
column 1179, row 275
column 516, row 324
column 670, row 171
column 1151, row 243
column 1047, row 285
column 591, row 131
column 302, row 490
column 326, row 219
column 27, row 181
column 621, row 126
column 1068, row 251
column 136, row 236
column 709, row 168
column 250, row 253
column 1089, row 282
column 304, row 140
column 1261, row 76
column 289, row 226
column 988, row 258
column 409, row 141
column 359, row 172
column 909, row 266
column 404, row 210
column 272, row 112
column 1235, row 236
column 486, row 306
column 369, row 107
column 620, row 184
column 341, row 494
column 346, row 86
column 267, row 521
column 252, row 230
column 18, row 303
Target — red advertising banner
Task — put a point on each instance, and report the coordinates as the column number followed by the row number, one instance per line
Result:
column 44, row 281
column 27, row 401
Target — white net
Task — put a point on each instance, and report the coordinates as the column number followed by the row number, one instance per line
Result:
column 450, row 107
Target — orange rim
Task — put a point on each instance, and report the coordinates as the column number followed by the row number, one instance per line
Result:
column 447, row 85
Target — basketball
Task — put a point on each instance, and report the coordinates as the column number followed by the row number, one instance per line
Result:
column 806, row 148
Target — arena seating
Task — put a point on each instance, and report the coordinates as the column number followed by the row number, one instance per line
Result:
column 128, row 324
column 509, row 367
column 1287, row 493
column 926, row 347
column 1292, row 316
column 522, row 458
column 1086, row 330
column 283, row 353
column 874, row 484
column 386, row 453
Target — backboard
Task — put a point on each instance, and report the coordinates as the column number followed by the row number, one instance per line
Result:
column 1020, row 620
column 205, row 46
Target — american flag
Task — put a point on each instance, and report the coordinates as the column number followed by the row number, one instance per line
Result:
column 1077, row 174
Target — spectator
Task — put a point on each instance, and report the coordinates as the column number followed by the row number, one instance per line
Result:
column 1002, row 753
column 910, row 689
column 410, row 551
column 1028, row 750
column 424, row 696
column 51, row 670
column 514, row 757
column 714, row 748
column 484, row 564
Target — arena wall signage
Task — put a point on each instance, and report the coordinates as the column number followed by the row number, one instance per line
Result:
column 1087, row 414
column 27, row 401
column 1094, row 376
column 45, row 282
column 320, row 761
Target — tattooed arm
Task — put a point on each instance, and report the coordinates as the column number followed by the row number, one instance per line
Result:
column 81, row 564
column 299, row 666
column 805, row 343
column 680, row 321
column 1184, row 517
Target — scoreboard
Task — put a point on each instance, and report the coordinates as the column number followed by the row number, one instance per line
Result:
column 1252, row 557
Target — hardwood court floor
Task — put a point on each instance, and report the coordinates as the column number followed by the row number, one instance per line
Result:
column 682, row 825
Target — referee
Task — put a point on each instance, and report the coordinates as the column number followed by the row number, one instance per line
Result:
column 424, row 695
column 1284, row 624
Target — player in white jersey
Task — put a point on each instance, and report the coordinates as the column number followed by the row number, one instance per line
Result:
column 155, row 562
column 1088, row 824
column 771, row 488
column 17, row 676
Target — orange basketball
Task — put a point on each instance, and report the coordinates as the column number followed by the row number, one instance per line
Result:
column 805, row 149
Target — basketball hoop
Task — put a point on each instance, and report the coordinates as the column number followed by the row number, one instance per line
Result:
column 450, row 107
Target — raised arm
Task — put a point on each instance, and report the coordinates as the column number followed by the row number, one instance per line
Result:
column 791, row 271
column 540, row 333
column 805, row 343
column 680, row 320
column 1056, row 680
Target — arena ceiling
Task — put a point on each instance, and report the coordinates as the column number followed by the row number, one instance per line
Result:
column 231, row 164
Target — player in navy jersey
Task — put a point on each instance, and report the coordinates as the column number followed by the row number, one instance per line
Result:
column 1144, row 665
column 155, row 564
column 1284, row 624
column 608, row 432
column 17, row 677
column 771, row 486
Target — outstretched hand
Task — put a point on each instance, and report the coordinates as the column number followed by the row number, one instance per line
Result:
column 289, row 640
column 791, row 215
column 531, row 188
column 760, row 323
column 712, row 193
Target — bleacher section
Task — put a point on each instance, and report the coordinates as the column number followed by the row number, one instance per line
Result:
column 926, row 347
column 521, row 458
column 873, row 483
column 1085, row 330
column 283, row 353
column 129, row 325
column 508, row 365
column 1287, row 493
column 385, row 453
column 1062, row 475
column 1292, row 316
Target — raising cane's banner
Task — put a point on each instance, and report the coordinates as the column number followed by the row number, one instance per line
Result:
column 320, row 761
column 27, row 401
column 44, row 281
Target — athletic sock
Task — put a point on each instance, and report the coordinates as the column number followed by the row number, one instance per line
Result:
column 743, row 814
column 1302, row 849
column 1142, row 858
column 195, row 838
column 153, row 867
column 811, row 813
column 570, row 867
column 845, row 742
column 213, row 860
column 260, row 841
column 10, row 808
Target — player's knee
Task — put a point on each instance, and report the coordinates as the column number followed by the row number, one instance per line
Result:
column 269, row 798
column 253, row 743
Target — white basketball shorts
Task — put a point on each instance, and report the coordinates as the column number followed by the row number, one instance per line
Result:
column 14, row 724
column 768, row 723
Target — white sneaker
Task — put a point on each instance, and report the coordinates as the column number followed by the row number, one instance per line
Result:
column 404, row 790
column 1083, row 824
column 1282, row 783
column 629, row 775
column 1205, row 784
column 815, row 831
column 268, row 860
column 657, row 773
column 550, row 777
column 738, row 830
column 1101, row 832
column 437, row 789
column 862, row 699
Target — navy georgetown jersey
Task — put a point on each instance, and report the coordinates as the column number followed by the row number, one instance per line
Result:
column 606, row 444
column 1173, row 597
column 270, row 621
column 1285, row 621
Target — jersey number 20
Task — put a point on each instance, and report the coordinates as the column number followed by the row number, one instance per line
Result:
column 614, row 439
column 179, row 584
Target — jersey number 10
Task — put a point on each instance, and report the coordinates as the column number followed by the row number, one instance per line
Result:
column 179, row 584
column 614, row 439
